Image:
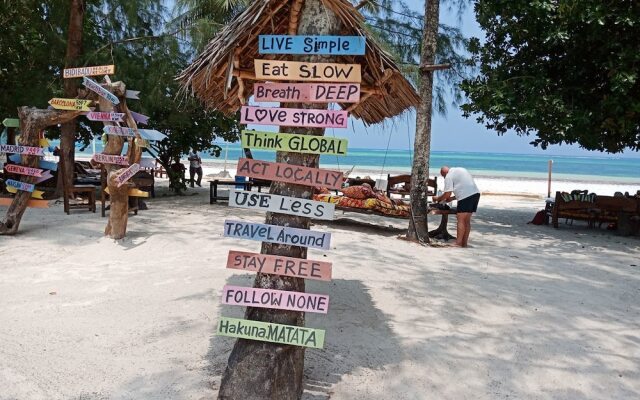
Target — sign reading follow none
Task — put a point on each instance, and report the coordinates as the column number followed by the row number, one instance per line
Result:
column 326, row 45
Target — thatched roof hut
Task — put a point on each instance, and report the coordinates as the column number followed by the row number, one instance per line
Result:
column 385, row 91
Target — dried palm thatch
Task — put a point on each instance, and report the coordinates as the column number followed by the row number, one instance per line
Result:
column 385, row 91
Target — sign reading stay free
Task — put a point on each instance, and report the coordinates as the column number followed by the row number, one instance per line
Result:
column 295, row 143
column 326, row 45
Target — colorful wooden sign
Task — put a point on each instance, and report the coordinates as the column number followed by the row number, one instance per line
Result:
column 110, row 159
column 102, row 92
column 278, row 299
column 307, row 92
column 35, row 194
column 293, row 117
column 281, row 204
column 279, row 265
column 296, row 143
column 277, row 234
column 11, row 122
column 127, row 174
column 277, row 70
column 119, row 131
column 132, row 94
column 140, row 118
column 6, row 201
column 70, row 104
column 21, row 170
column 88, row 71
column 26, row 187
column 270, row 332
column 290, row 173
column 26, row 150
column 105, row 116
column 327, row 45
column 16, row 158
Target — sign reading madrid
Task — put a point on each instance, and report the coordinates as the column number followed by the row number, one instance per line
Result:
column 26, row 150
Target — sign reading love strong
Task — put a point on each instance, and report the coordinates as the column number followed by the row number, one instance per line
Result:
column 293, row 117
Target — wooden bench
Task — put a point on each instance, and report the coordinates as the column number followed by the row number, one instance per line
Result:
column 213, row 188
column 405, row 189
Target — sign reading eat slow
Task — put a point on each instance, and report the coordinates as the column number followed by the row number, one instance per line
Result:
column 293, row 117
column 270, row 332
column 290, row 173
column 110, row 159
column 70, row 104
column 278, row 299
column 281, row 204
column 26, row 150
column 307, row 92
column 88, row 71
column 102, row 92
column 274, row 70
column 327, row 45
column 279, row 265
column 296, row 143
column 127, row 174
column 277, row 234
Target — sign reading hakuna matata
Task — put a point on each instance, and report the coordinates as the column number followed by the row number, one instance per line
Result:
column 270, row 332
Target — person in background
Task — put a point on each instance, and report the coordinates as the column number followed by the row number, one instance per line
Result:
column 460, row 183
column 195, row 167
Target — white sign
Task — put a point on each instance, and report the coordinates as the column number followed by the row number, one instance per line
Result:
column 281, row 204
column 95, row 86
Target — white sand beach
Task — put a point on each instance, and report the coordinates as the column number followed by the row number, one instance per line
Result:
column 529, row 312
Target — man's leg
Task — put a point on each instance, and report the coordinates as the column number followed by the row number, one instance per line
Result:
column 199, row 173
column 463, row 221
column 192, row 172
column 465, row 241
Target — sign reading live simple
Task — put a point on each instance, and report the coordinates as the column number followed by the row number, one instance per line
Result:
column 270, row 332
column 105, row 116
column 279, row 265
column 88, row 71
column 27, row 187
column 102, row 92
column 127, row 174
column 281, row 204
column 296, row 143
column 290, row 173
column 307, row 92
column 110, row 159
column 274, row 70
column 327, row 45
column 278, row 299
column 293, row 117
column 277, row 234
column 26, row 150
column 70, row 104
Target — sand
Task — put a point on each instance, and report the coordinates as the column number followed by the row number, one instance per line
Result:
column 529, row 312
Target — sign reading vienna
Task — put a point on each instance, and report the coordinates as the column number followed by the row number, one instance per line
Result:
column 290, row 173
column 277, row 234
column 307, row 92
column 279, row 265
column 105, row 116
column 327, row 45
column 274, row 70
column 88, row 71
column 296, row 143
column 297, row 117
column 281, row 204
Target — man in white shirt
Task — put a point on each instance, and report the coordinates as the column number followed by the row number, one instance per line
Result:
column 460, row 182
column 195, row 167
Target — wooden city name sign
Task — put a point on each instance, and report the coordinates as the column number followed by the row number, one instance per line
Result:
column 293, row 117
column 279, row 265
column 295, row 143
column 278, row 299
column 88, row 71
column 289, row 173
column 26, row 150
column 70, row 104
column 274, row 70
column 105, row 116
column 127, row 174
column 20, row 170
column 110, row 159
column 277, row 234
column 327, row 45
column 307, row 92
column 270, row 332
column 281, row 204
column 26, row 187
column 97, row 88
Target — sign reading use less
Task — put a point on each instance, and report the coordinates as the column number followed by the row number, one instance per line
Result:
column 281, row 204
column 327, row 45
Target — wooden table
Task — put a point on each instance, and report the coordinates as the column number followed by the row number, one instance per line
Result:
column 213, row 188
column 441, row 231
column 83, row 190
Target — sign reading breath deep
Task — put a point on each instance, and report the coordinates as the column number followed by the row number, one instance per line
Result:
column 110, row 159
column 127, row 174
column 26, row 150
column 279, row 265
column 307, row 92
column 88, row 71
column 270, row 332
column 290, row 173
column 96, row 87
column 105, row 116
column 277, row 234
column 293, row 117
column 278, row 299
column 70, row 104
column 296, row 143
column 281, row 204
column 274, row 70
column 327, row 45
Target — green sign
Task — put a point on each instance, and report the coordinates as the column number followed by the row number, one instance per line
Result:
column 268, row 332
column 11, row 122
column 295, row 143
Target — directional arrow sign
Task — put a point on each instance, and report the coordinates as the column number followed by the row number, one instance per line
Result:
column 20, row 170
column 105, row 116
column 132, row 94
column 27, row 187
column 88, row 71
column 11, row 122
column 140, row 118
column 35, row 194
column 127, row 174
column 70, row 104
column 41, row 163
column 26, row 150
column 95, row 86
column 110, row 159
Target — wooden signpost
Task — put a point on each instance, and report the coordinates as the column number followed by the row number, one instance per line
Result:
column 50, row 165
column 127, row 174
column 102, row 92
column 110, row 159
column 276, row 70
column 36, row 194
column 290, row 173
column 278, row 299
column 279, row 265
column 26, row 187
column 270, row 332
column 295, row 143
column 105, row 116
column 26, row 150
column 281, row 204
column 326, row 45
column 70, row 104
column 11, row 122
column 307, row 92
column 277, row 234
column 293, row 117
column 88, row 71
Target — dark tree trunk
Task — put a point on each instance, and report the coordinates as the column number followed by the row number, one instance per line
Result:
column 418, row 229
column 260, row 370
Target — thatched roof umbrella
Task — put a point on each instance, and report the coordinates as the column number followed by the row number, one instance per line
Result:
column 385, row 91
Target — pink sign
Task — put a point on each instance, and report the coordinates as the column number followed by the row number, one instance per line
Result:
column 290, row 173
column 127, row 174
column 140, row 118
column 26, row 150
column 19, row 169
column 279, row 265
column 307, row 92
column 110, row 159
column 105, row 116
column 278, row 299
column 293, row 117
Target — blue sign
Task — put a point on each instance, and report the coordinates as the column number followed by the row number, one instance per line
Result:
column 41, row 163
column 326, row 45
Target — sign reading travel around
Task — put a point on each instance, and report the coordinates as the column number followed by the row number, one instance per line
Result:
column 293, row 117
column 296, row 143
column 290, row 173
column 127, row 174
column 102, row 92
column 11, row 122
column 16, row 158
column 279, row 265
column 281, row 204
column 70, row 104
column 27, row 187
column 278, row 299
column 21, row 170
column 277, row 234
column 88, row 71
column 276, row 70
column 110, row 159
column 105, row 116
column 270, row 332
column 307, row 92
column 26, row 150
column 327, row 45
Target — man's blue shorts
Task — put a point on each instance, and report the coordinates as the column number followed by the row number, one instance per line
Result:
column 469, row 204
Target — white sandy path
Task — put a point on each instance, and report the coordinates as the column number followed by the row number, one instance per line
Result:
column 529, row 312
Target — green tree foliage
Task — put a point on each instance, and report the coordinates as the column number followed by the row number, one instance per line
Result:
column 566, row 71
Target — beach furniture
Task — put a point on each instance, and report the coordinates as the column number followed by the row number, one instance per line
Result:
column 87, row 192
column 213, row 188
column 401, row 185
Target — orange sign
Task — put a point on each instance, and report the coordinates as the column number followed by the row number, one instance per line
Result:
column 276, row 70
column 279, row 265
column 290, row 173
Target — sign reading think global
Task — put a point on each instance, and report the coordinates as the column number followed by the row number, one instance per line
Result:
column 327, row 45
column 274, row 70
column 296, row 143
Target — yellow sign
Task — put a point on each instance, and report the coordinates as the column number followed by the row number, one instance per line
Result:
column 295, row 143
column 88, row 71
column 276, row 70
column 70, row 104
column 36, row 194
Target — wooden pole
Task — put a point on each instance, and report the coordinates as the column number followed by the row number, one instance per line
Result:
column 549, row 179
